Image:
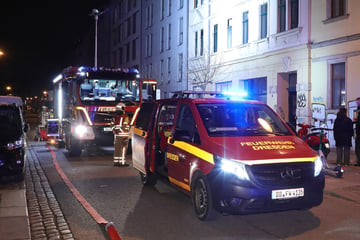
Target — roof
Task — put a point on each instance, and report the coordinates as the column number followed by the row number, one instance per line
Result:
column 11, row 100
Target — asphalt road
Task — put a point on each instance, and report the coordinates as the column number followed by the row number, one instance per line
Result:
column 162, row 212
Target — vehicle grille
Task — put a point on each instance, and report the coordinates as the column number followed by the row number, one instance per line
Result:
column 284, row 174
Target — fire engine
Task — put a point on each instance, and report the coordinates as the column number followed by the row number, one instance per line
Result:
column 85, row 100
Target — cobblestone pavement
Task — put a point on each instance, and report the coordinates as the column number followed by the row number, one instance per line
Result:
column 45, row 215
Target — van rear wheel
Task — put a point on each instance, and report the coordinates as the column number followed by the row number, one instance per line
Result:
column 148, row 179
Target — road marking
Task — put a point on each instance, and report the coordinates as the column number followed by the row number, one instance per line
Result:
column 97, row 217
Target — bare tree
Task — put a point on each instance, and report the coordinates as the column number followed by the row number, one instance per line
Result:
column 203, row 69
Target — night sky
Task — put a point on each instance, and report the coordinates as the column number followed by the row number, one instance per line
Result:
column 38, row 39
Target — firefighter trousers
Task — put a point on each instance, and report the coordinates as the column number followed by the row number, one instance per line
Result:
column 121, row 142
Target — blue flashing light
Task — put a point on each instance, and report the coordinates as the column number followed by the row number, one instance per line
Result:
column 236, row 95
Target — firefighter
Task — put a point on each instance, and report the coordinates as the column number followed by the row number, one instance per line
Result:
column 121, row 130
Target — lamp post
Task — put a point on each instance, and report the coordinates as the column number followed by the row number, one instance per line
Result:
column 95, row 13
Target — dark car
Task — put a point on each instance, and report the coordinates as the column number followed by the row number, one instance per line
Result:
column 12, row 141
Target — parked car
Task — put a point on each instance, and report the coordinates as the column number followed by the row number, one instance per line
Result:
column 12, row 140
column 233, row 156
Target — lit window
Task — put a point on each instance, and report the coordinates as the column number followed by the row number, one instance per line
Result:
column 338, row 85
column 229, row 33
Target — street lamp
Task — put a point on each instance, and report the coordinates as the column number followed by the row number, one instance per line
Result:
column 1, row 53
column 95, row 13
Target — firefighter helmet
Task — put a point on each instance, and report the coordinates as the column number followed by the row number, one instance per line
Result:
column 120, row 108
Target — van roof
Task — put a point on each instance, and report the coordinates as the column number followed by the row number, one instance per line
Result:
column 11, row 100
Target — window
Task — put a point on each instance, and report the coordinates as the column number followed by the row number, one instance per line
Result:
column 294, row 14
column 161, row 70
column 223, row 86
column 169, row 66
column 148, row 45
column 288, row 15
column 127, row 52
column 185, row 126
column 181, row 31
column 215, row 38
column 229, row 33
column 128, row 27
column 263, row 21
column 134, row 49
column 282, row 15
column 170, row 7
column 134, row 23
column 338, row 85
column 181, row 3
column 162, row 12
column 255, row 88
column 169, row 37
column 180, row 67
column 201, row 42
column 196, row 43
column 149, row 15
column 196, row 2
column 120, row 56
column 162, row 39
column 338, row 8
column 245, row 27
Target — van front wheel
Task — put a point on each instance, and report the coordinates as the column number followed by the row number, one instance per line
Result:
column 202, row 199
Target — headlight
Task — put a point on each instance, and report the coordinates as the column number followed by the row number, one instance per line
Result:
column 80, row 130
column 318, row 166
column 14, row 145
column 83, row 132
column 236, row 168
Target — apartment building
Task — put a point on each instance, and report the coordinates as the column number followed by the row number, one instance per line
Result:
column 298, row 56
column 164, row 48
column 256, row 46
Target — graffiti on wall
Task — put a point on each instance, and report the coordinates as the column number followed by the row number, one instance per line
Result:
column 318, row 111
column 301, row 100
column 318, row 99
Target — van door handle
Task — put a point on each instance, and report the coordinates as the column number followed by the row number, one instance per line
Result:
column 181, row 157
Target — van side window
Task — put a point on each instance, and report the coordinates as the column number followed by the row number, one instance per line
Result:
column 165, row 123
column 186, row 129
column 144, row 118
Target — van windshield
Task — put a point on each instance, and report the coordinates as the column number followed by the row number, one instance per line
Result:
column 10, row 123
column 240, row 119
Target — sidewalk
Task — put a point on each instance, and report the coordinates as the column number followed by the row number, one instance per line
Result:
column 14, row 218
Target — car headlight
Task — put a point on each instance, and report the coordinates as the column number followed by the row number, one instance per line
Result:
column 233, row 167
column 318, row 166
column 14, row 145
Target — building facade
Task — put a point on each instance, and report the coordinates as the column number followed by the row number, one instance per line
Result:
column 298, row 56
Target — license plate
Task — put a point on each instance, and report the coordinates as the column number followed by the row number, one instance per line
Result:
column 287, row 193
column 107, row 129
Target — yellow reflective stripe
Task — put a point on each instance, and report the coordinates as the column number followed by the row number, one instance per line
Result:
column 140, row 132
column 198, row 152
column 282, row 160
column 180, row 184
